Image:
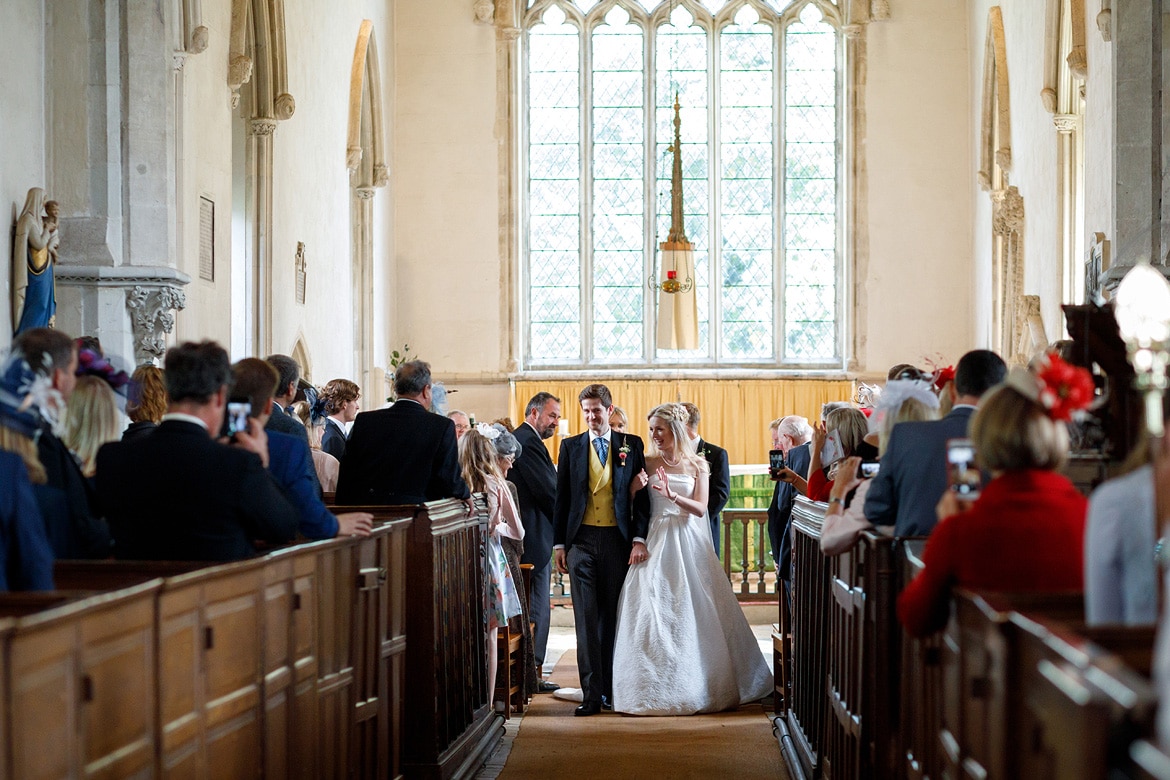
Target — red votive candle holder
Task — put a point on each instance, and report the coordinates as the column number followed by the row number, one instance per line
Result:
column 672, row 274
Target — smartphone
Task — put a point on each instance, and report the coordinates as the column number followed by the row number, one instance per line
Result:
column 963, row 476
column 832, row 451
column 237, row 417
column 867, row 469
column 775, row 462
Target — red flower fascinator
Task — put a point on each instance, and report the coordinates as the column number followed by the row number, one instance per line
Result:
column 1064, row 390
column 942, row 376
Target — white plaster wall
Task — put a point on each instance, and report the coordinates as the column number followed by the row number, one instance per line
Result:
column 204, row 168
column 918, row 287
column 1098, row 128
column 22, row 127
column 446, row 196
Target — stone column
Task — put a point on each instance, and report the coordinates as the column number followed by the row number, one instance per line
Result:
column 1137, row 134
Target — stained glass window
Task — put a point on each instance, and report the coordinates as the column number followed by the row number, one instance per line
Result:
column 760, row 97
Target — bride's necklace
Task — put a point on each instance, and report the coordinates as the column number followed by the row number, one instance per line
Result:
column 668, row 462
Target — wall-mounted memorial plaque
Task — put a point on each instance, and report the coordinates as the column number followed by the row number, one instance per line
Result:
column 206, row 239
column 302, row 271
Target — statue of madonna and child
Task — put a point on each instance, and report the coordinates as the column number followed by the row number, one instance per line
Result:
column 34, row 258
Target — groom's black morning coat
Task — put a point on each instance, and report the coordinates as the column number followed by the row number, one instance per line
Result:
column 573, row 488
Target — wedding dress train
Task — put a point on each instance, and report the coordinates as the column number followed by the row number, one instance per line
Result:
column 683, row 644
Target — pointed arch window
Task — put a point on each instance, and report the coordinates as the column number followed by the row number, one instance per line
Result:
column 760, row 84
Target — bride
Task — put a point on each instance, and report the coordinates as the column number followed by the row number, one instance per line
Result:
column 683, row 644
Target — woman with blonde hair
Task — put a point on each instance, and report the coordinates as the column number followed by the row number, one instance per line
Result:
column 91, row 420
column 147, row 402
column 683, row 644
column 479, row 462
column 311, row 413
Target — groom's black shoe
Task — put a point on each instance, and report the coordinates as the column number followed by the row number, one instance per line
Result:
column 607, row 704
column 588, row 708
column 547, row 686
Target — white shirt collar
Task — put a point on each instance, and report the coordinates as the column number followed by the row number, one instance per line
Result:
column 607, row 436
column 188, row 418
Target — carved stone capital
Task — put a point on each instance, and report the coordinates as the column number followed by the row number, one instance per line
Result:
column 178, row 60
column 284, row 106
column 381, row 175
column 353, row 157
column 510, row 33
column 1003, row 157
column 1066, row 123
column 365, row 193
column 1007, row 211
column 199, row 39
column 262, row 126
column 853, row 31
column 152, row 317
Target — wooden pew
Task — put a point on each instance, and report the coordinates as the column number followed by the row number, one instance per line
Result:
column 79, row 684
column 920, row 691
column 451, row 728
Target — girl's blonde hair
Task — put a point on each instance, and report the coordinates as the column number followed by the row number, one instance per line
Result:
column 477, row 459
column 91, row 420
column 303, row 413
column 676, row 417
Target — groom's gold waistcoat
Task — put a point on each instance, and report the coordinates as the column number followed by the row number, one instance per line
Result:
column 599, row 510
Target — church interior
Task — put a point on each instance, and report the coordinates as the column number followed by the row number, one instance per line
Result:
column 758, row 206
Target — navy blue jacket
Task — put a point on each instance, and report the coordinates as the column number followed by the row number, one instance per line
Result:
column 535, row 478
column 291, row 465
column 633, row 517
column 26, row 560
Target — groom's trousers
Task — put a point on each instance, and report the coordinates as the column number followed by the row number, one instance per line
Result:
column 598, row 560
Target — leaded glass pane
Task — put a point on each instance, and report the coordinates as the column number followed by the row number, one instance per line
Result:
column 746, row 171
column 618, row 224
column 810, row 223
column 554, row 191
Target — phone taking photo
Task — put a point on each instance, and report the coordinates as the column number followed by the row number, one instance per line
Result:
column 237, row 417
column 867, row 469
column 775, row 462
column 963, row 476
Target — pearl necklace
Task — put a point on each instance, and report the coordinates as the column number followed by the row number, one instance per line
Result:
column 667, row 461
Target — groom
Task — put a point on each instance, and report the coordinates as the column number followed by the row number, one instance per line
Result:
column 598, row 531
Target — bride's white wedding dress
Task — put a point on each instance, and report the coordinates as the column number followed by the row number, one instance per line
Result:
column 683, row 644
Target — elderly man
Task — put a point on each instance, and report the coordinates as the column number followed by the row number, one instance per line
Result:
column 720, row 480
column 66, row 500
column 462, row 422
column 180, row 495
column 404, row 454
column 791, row 435
column 535, row 478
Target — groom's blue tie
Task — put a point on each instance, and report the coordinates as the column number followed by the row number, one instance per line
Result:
column 602, row 447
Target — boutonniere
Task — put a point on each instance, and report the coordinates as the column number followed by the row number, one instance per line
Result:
column 623, row 453
column 703, row 453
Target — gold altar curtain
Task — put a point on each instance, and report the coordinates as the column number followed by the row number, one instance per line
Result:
column 735, row 412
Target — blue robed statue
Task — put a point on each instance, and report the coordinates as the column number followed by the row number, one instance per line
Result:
column 34, row 255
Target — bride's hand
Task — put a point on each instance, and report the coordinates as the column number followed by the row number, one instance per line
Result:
column 638, row 553
column 663, row 485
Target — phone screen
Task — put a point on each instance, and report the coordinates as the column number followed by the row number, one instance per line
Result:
column 963, row 477
column 775, row 461
column 867, row 469
column 237, row 416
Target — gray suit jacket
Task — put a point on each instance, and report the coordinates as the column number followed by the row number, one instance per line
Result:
column 913, row 474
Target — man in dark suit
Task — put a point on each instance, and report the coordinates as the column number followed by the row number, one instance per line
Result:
column 599, row 530
column 342, row 402
column 178, row 494
column 289, row 461
column 404, row 454
column 281, row 420
column 720, row 480
column 73, row 524
column 535, row 478
column 913, row 474
column 791, row 436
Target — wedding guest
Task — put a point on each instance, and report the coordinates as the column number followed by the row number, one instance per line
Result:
column 683, row 644
column 508, row 451
column 851, row 427
column 91, row 420
column 341, row 398
column 903, row 400
column 719, row 477
column 898, row 370
column 506, row 422
column 1121, row 572
column 312, row 416
column 791, row 435
column 618, row 421
column 26, row 560
column 535, row 478
column 178, row 494
column 913, row 473
column 289, row 461
column 404, row 454
column 65, row 498
column 478, row 462
column 290, row 374
column 944, row 388
column 1026, row 531
column 461, row 420
column 147, row 402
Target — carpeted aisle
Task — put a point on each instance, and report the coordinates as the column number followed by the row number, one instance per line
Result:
column 552, row 743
